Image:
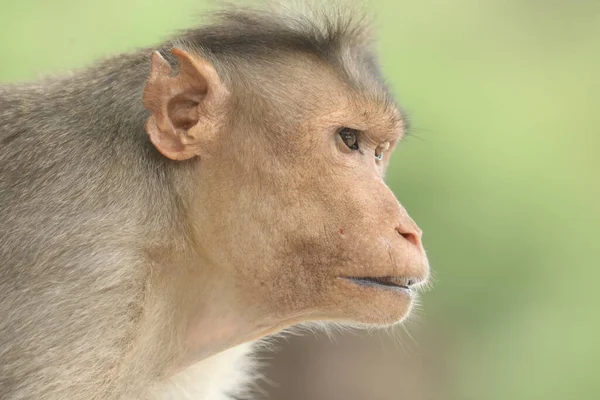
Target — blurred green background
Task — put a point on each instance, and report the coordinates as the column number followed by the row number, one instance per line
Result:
column 501, row 171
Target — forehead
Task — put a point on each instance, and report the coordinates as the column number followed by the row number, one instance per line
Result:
column 298, row 87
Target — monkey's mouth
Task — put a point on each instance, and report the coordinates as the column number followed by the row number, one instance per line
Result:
column 398, row 283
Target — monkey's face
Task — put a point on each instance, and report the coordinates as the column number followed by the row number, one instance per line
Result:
column 297, row 210
column 290, row 213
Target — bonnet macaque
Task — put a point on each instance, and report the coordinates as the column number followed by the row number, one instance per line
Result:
column 162, row 210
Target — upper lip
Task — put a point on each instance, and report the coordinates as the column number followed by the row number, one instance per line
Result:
column 404, row 282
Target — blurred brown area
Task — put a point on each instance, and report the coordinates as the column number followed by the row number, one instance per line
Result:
column 382, row 365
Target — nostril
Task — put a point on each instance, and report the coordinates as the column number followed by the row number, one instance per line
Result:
column 410, row 236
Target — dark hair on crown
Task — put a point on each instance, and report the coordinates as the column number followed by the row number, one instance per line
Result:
column 274, row 27
column 336, row 32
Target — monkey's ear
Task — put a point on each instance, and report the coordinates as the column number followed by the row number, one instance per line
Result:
column 186, row 108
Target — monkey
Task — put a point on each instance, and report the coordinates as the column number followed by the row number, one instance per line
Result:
column 163, row 210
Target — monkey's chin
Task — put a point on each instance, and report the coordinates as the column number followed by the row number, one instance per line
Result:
column 375, row 304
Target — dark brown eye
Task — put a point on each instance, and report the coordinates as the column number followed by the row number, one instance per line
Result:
column 350, row 138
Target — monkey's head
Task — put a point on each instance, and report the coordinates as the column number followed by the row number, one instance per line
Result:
column 287, row 151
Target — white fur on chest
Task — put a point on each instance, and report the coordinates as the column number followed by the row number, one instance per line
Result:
column 216, row 378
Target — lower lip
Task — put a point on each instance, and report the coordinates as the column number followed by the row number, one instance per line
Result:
column 374, row 285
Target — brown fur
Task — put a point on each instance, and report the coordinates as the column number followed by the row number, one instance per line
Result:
column 126, row 260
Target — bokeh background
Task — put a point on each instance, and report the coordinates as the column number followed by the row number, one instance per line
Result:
column 501, row 171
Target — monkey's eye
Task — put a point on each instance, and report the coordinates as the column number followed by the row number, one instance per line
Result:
column 382, row 148
column 350, row 137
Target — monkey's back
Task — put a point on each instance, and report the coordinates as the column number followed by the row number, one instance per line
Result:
column 71, row 276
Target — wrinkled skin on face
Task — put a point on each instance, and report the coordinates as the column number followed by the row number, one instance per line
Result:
column 284, row 211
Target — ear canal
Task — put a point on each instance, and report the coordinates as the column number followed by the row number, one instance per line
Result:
column 178, row 121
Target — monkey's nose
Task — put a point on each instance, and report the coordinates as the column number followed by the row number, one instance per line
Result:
column 413, row 234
